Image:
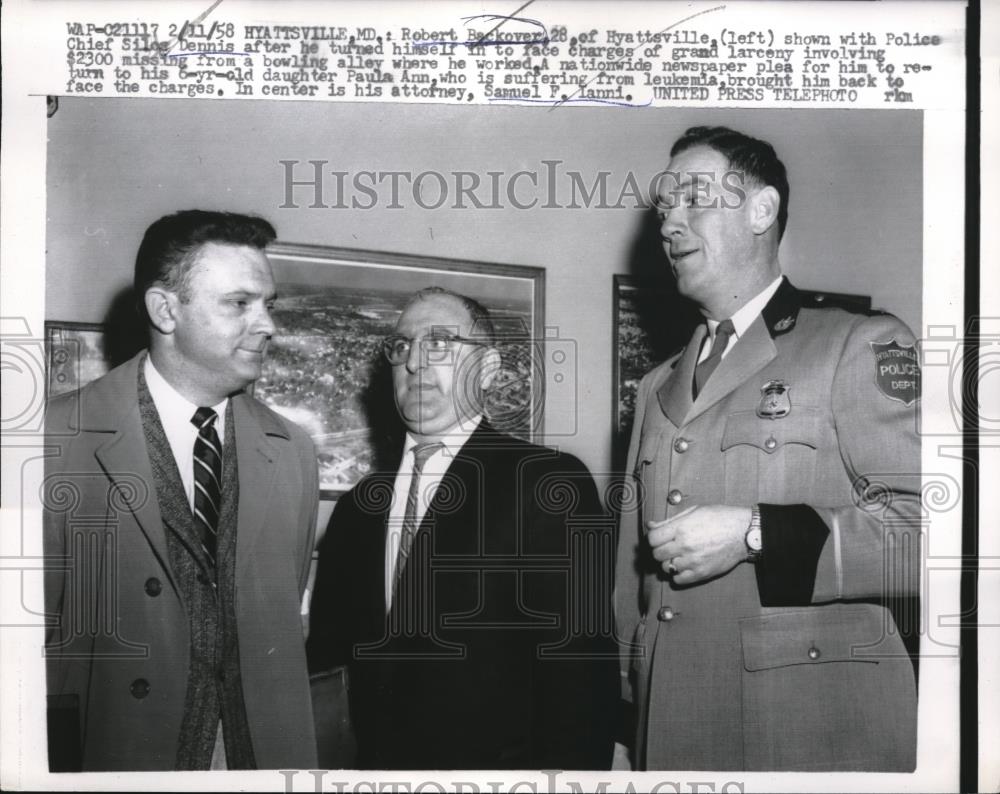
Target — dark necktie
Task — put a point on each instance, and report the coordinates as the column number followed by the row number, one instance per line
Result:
column 421, row 453
column 705, row 369
column 207, row 479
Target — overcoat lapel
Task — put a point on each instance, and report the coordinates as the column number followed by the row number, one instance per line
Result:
column 258, row 459
column 113, row 408
column 125, row 461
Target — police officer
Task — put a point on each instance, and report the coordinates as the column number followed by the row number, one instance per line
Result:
column 777, row 477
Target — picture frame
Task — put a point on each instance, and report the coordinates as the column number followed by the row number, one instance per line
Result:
column 325, row 370
column 75, row 353
column 651, row 322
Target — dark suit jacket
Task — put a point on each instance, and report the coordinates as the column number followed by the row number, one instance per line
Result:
column 118, row 648
column 497, row 653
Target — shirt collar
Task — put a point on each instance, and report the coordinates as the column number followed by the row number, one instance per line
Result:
column 174, row 409
column 744, row 316
column 453, row 440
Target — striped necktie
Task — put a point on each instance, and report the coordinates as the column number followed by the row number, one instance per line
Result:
column 207, row 479
column 421, row 454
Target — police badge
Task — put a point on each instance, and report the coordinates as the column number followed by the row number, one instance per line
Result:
column 774, row 400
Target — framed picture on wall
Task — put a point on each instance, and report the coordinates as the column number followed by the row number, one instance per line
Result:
column 650, row 323
column 76, row 354
column 325, row 369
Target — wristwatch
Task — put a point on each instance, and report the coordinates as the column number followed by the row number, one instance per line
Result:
column 753, row 538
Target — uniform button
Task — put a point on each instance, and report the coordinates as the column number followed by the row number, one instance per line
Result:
column 139, row 688
column 675, row 497
column 664, row 614
column 770, row 443
column 681, row 445
column 153, row 587
column 813, row 653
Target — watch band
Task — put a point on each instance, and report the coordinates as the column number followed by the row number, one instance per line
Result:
column 753, row 537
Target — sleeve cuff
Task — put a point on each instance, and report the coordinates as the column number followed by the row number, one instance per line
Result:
column 793, row 539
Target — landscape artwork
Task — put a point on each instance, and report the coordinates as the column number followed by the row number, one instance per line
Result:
column 325, row 370
column 634, row 355
column 76, row 355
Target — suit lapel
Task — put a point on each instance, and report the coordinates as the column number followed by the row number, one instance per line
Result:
column 458, row 492
column 376, row 540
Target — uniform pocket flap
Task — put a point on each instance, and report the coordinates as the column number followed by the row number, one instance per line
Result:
column 814, row 636
column 647, row 452
column 802, row 426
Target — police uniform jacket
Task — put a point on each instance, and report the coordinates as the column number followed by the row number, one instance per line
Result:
column 795, row 662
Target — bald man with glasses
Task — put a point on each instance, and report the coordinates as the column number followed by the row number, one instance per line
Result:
column 453, row 588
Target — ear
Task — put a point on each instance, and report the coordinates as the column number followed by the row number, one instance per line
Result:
column 161, row 306
column 489, row 367
column 764, row 205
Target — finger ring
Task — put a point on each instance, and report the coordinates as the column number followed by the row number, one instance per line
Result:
column 671, row 568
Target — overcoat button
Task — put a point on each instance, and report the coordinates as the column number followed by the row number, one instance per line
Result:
column 675, row 497
column 153, row 587
column 664, row 614
column 770, row 443
column 681, row 445
column 139, row 688
column 814, row 653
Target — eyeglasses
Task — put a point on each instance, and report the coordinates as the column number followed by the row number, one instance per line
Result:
column 437, row 347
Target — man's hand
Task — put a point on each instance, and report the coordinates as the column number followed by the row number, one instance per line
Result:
column 701, row 542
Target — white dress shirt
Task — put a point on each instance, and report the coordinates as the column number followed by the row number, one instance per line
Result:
column 434, row 470
column 175, row 416
column 742, row 319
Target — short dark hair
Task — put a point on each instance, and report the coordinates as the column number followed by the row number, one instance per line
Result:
column 482, row 322
column 755, row 158
column 170, row 246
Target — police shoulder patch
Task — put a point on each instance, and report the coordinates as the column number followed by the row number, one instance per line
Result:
column 897, row 371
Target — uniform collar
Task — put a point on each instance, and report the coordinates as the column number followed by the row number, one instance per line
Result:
column 782, row 311
column 745, row 316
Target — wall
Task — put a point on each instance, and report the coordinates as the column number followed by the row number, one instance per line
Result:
column 116, row 165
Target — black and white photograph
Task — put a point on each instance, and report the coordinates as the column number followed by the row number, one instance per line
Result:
column 75, row 354
column 334, row 309
column 554, row 397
